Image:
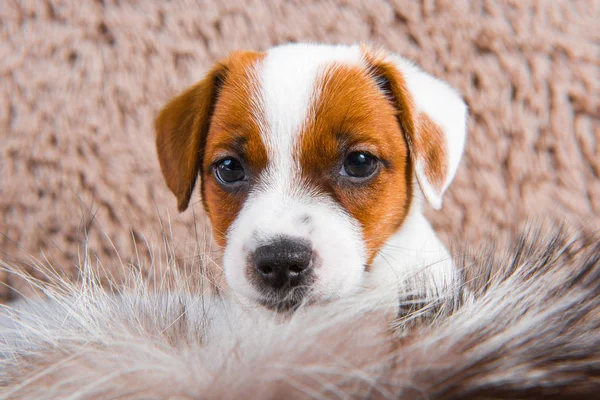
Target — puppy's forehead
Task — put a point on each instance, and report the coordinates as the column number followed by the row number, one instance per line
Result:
column 288, row 89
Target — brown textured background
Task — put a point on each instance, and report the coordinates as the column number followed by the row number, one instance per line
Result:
column 81, row 81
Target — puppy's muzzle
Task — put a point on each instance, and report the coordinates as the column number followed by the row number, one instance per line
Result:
column 282, row 265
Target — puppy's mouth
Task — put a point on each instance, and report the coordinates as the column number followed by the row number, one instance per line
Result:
column 287, row 301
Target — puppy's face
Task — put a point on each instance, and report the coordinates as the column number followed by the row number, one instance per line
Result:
column 307, row 156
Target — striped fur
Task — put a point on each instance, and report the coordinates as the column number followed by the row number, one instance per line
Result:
column 529, row 328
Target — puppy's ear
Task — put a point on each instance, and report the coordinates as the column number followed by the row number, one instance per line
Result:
column 432, row 116
column 181, row 130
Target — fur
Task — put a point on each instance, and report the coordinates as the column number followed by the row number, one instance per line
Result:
column 529, row 328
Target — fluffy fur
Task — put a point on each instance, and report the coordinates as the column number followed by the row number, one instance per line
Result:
column 530, row 328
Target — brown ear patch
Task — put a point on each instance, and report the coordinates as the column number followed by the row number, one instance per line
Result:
column 430, row 146
column 181, row 128
column 425, row 138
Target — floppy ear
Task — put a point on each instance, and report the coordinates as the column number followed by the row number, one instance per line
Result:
column 432, row 116
column 181, row 130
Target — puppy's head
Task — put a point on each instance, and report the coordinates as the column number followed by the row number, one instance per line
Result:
column 307, row 157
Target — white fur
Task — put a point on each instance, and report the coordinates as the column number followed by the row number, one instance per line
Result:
column 334, row 235
column 287, row 94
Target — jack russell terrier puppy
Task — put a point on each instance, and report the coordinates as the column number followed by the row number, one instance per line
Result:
column 313, row 163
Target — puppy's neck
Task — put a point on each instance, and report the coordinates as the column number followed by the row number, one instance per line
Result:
column 413, row 256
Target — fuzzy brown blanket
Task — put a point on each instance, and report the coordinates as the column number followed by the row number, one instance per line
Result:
column 81, row 82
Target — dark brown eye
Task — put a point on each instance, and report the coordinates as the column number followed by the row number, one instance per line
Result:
column 229, row 171
column 360, row 165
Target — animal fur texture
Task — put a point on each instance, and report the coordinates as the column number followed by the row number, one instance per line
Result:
column 528, row 328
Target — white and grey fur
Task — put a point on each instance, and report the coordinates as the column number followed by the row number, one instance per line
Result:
column 529, row 328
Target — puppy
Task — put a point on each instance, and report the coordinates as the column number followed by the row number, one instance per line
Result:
column 313, row 162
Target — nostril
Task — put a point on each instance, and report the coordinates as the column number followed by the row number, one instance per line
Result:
column 265, row 269
column 296, row 269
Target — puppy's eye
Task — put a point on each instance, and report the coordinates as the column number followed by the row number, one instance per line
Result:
column 229, row 170
column 359, row 164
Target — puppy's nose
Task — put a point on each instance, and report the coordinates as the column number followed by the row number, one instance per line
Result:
column 285, row 262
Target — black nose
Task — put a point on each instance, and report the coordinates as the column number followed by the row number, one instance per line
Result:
column 284, row 263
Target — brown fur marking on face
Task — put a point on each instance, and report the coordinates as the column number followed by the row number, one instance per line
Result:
column 352, row 114
column 234, row 132
column 425, row 138
column 210, row 120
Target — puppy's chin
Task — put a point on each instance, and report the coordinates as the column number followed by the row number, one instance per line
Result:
column 296, row 298
column 286, row 305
